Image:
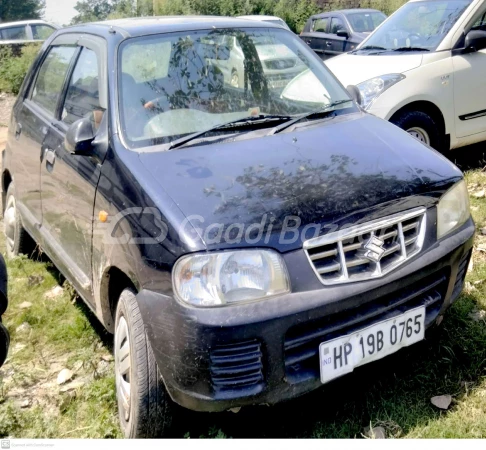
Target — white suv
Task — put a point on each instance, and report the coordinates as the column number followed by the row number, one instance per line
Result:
column 424, row 69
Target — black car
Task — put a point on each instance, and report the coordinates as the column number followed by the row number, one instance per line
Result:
column 244, row 244
column 332, row 33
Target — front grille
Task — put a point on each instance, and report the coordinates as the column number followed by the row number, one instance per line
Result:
column 236, row 365
column 366, row 251
column 302, row 341
column 281, row 64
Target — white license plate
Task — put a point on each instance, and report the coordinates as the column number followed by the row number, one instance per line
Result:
column 279, row 83
column 341, row 355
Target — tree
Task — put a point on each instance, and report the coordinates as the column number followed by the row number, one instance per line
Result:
column 12, row 10
column 94, row 10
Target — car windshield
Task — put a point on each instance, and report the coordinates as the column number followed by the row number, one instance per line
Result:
column 365, row 22
column 176, row 84
column 416, row 25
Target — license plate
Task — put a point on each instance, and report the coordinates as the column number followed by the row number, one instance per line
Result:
column 341, row 355
column 279, row 83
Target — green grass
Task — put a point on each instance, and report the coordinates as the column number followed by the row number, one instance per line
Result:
column 393, row 393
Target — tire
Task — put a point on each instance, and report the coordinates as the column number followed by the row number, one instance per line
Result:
column 4, row 343
column 150, row 410
column 17, row 240
column 419, row 123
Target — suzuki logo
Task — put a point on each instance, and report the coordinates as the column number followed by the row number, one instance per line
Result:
column 374, row 249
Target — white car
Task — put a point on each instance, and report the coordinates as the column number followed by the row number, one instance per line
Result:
column 271, row 19
column 424, row 69
column 26, row 30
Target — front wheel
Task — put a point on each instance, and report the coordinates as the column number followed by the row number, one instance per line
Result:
column 421, row 126
column 18, row 241
column 144, row 407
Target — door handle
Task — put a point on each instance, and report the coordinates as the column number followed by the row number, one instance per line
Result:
column 328, row 44
column 308, row 42
column 50, row 156
column 18, row 130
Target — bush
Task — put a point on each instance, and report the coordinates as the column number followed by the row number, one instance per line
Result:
column 13, row 68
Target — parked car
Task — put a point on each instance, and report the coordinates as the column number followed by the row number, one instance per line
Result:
column 332, row 33
column 244, row 246
column 280, row 64
column 423, row 69
column 4, row 335
column 27, row 30
column 271, row 19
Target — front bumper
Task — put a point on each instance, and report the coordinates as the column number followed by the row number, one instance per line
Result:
column 266, row 352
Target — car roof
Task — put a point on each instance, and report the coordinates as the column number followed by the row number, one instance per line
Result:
column 260, row 17
column 26, row 22
column 346, row 11
column 141, row 26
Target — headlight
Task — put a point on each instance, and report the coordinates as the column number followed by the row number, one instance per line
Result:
column 371, row 89
column 453, row 209
column 223, row 278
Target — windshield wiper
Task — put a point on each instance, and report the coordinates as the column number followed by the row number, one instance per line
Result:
column 238, row 123
column 370, row 47
column 326, row 110
column 411, row 49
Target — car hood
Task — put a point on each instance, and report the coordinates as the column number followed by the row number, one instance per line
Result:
column 346, row 169
column 351, row 68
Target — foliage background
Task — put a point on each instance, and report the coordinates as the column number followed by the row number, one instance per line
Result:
column 294, row 12
column 11, row 10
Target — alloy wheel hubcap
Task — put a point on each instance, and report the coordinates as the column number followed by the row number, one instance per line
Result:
column 123, row 364
column 420, row 134
column 9, row 220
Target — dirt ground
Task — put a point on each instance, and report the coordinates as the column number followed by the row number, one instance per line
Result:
column 6, row 103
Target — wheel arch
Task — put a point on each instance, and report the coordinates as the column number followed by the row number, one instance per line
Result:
column 113, row 282
column 426, row 107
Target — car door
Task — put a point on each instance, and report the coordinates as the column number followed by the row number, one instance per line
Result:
column 68, row 181
column 317, row 37
column 338, row 44
column 470, row 88
column 33, row 117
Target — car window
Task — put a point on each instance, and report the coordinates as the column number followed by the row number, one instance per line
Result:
column 336, row 25
column 41, row 32
column 82, row 98
column 365, row 22
column 320, row 25
column 203, row 84
column 14, row 33
column 51, row 76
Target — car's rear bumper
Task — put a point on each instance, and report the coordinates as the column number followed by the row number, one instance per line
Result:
column 266, row 352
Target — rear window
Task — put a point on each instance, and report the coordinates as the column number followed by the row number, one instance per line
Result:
column 41, row 32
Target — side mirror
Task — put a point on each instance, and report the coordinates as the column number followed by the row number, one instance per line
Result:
column 475, row 41
column 342, row 33
column 79, row 137
column 354, row 93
